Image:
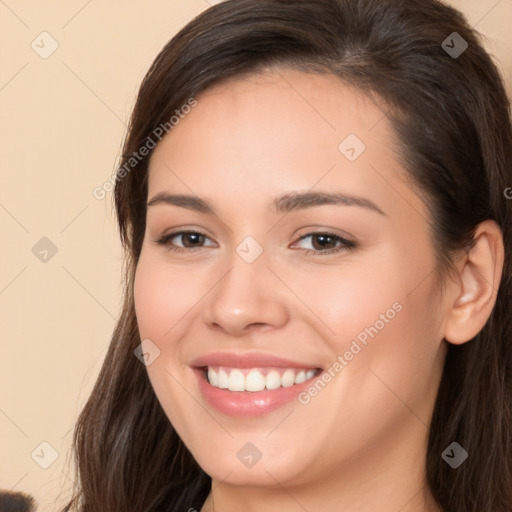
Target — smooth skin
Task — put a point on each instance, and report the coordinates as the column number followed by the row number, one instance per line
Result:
column 360, row 443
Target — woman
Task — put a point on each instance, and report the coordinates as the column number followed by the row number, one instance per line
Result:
column 313, row 201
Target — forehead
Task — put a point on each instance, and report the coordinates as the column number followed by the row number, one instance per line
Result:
column 281, row 109
column 280, row 130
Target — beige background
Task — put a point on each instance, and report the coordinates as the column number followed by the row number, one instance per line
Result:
column 62, row 122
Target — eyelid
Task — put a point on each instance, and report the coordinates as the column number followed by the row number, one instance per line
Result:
column 166, row 237
column 346, row 243
column 321, row 229
column 179, row 230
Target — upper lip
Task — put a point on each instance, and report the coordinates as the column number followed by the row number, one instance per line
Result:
column 247, row 360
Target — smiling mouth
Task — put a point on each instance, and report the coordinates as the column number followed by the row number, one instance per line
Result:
column 257, row 379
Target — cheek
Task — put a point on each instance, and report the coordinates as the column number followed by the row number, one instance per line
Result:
column 150, row 295
column 378, row 318
column 163, row 296
column 345, row 300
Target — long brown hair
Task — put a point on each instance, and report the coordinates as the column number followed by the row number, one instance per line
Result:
column 451, row 115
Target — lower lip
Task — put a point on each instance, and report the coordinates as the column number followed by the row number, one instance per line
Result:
column 248, row 403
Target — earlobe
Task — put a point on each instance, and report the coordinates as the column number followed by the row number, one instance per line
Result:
column 479, row 278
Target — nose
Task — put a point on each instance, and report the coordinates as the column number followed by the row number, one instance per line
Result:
column 247, row 297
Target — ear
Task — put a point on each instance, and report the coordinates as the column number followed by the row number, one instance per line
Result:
column 479, row 274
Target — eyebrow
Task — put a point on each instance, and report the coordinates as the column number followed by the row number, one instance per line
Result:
column 283, row 204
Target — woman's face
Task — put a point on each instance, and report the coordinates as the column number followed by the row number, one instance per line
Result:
column 265, row 294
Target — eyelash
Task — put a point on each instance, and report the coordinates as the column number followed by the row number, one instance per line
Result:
column 347, row 244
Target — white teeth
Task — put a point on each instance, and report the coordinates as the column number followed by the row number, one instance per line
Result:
column 213, row 377
column 223, row 380
column 273, row 380
column 288, row 378
column 236, row 379
column 254, row 381
column 300, row 377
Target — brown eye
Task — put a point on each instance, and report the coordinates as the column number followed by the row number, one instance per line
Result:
column 189, row 240
column 327, row 243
